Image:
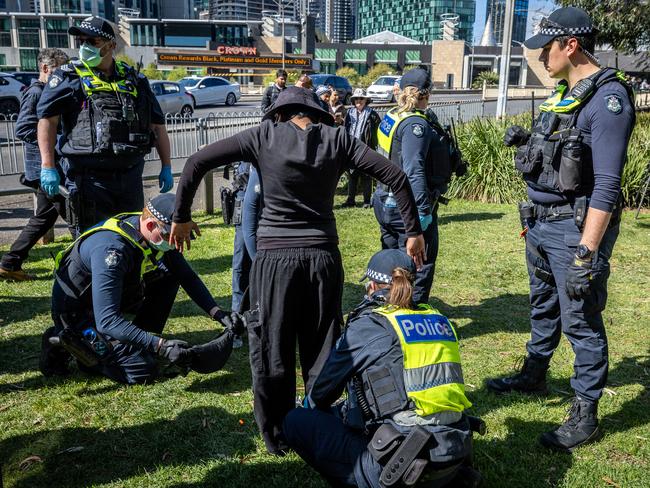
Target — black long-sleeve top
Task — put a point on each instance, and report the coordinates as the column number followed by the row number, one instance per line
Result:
column 299, row 170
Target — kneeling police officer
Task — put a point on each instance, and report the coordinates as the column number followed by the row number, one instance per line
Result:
column 403, row 420
column 125, row 265
column 110, row 120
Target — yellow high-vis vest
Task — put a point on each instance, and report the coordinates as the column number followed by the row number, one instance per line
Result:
column 433, row 375
column 388, row 126
column 91, row 83
column 116, row 224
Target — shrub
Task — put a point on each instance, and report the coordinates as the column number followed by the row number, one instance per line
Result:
column 492, row 176
column 375, row 72
column 490, row 77
column 349, row 73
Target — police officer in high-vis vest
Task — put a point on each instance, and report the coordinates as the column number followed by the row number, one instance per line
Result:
column 110, row 120
column 125, row 265
column 572, row 162
column 403, row 419
column 409, row 139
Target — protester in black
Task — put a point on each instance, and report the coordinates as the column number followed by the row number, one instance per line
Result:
column 297, row 276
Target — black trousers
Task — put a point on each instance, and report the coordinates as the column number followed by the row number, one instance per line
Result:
column 126, row 363
column 366, row 186
column 297, row 293
column 47, row 212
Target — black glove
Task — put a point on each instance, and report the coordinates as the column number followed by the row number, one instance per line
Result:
column 174, row 350
column 230, row 320
column 516, row 136
column 578, row 278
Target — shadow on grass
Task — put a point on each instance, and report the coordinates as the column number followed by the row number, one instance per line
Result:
column 508, row 312
column 111, row 455
column 469, row 217
column 18, row 308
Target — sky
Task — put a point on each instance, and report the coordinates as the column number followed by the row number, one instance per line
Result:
column 545, row 6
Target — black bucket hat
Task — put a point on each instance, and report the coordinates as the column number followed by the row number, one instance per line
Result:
column 296, row 97
column 568, row 21
column 93, row 27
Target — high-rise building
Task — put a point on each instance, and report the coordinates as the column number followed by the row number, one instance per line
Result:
column 417, row 19
column 341, row 28
column 251, row 9
column 496, row 10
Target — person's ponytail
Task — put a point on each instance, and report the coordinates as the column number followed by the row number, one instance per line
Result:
column 401, row 289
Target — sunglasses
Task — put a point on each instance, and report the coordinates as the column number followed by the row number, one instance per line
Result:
column 93, row 41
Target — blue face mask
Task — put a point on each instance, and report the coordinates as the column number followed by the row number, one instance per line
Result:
column 90, row 54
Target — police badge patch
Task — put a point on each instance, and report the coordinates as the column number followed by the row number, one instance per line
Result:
column 614, row 104
column 54, row 81
column 418, row 130
column 112, row 258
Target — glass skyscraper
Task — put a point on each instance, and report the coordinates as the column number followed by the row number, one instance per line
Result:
column 496, row 10
column 417, row 19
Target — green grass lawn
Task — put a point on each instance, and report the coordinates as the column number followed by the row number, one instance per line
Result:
column 199, row 430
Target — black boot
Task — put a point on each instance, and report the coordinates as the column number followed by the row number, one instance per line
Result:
column 580, row 427
column 530, row 379
column 54, row 359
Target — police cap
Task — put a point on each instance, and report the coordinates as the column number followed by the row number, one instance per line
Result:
column 93, row 27
column 416, row 77
column 162, row 207
column 567, row 21
column 381, row 265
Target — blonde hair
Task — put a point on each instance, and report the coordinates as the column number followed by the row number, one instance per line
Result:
column 401, row 288
column 408, row 99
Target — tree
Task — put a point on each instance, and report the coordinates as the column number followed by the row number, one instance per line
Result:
column 349, row 73
column 177, row 73
column 375, row 72
column 489, row 77
column 625, row 25
column 126, row 59
column 152, row 72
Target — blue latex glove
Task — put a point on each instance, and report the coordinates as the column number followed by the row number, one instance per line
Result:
column 425, row 221
column 50, row 181
column 165, row 179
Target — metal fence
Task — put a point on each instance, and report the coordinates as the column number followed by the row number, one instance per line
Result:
column 188, row 134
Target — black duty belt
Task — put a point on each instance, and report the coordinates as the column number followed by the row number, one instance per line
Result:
column 554, row 211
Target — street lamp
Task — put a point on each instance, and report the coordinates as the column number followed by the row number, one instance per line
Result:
column 281, row 5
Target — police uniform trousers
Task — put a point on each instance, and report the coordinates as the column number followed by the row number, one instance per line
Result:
column 126, row 363
column 550, row 246
column 45, row 216
column 339, row 453
column 393, row 236
column 241, row 264
column 297, row 293
column 99, row 194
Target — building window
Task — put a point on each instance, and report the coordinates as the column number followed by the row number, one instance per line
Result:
column 361, row 68
column 28, row 59
column 325, row 55
column 57, row 33
column 3, row 61
column 413, row 57
column 355, row 55
column 64, row 6
column 28, row 33
column 328, row 67
column 5, row 32
column 386, row 56
column 187, row 35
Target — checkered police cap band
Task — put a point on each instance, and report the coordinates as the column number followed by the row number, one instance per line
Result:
column 158, row 215
column 106, row 35
column 565, row 31
column 378, row 277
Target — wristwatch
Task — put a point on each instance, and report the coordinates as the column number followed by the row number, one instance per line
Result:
column 584, row 253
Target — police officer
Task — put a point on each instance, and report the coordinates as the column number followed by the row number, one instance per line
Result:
column 406, row 135
column 572, row 163
column 123, row 265
column 48, row 208
column 400, row 365
column 110, row 119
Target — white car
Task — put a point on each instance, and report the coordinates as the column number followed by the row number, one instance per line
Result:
column 382, row 89
column 172, row 97
column 210, row 90
column 10, row 93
